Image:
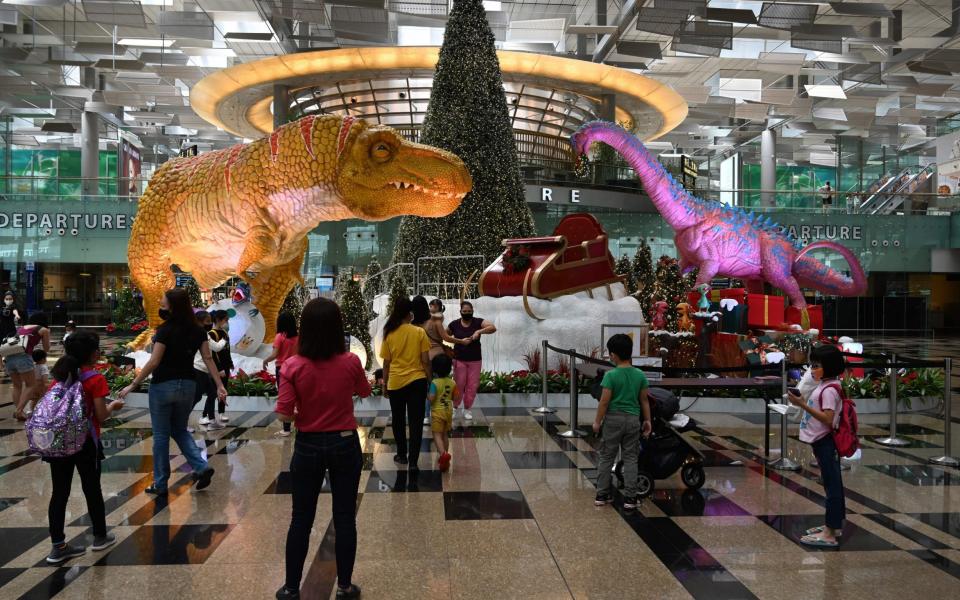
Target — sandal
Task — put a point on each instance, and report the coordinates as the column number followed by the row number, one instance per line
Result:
column 816, row 530
column 810, row 540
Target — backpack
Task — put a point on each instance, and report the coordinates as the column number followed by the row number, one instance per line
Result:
column 845, row 433
column 60, row 422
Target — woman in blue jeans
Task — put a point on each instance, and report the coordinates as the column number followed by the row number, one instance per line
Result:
column 173, row 386
column 319, row 383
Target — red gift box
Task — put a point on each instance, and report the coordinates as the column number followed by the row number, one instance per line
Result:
column 738, row 294
column 765, row 311
column 814, row 312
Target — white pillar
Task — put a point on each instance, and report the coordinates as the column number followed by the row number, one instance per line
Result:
column 768, row 167
column 89, row 152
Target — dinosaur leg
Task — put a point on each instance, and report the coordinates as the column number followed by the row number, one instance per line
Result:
column 792, row 289
column 151, row 273
column 708, row 270
column 270, row 289
column 259, row 243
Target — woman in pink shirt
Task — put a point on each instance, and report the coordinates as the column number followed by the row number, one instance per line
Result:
column 317, row 393
column 284, row 346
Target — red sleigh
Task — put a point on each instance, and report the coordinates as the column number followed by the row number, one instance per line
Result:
column 573, row 259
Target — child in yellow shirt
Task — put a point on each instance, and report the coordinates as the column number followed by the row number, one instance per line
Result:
column 443, row 394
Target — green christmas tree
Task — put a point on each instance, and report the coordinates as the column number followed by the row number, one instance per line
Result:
column 669, row 287
column 398, row 289
column 625, row 269
column 295, row 300
column 196, row 300
column 373, row 285
column 468, row 116
column 354, row 310
column 129, row 309
column 643, row 273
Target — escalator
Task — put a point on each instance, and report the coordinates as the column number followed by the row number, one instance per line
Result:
column 877, row 194
column 900, row 194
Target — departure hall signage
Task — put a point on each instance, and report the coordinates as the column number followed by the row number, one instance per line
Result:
column 65, row 223
column 824, row 232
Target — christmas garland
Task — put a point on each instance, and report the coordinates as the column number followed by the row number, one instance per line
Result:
column 516, row 259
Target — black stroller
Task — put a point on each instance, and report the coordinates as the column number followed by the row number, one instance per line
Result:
column 666, row 450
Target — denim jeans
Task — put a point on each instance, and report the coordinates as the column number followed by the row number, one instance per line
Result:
column 825, row 449
column 336, row 455
column 170, row 404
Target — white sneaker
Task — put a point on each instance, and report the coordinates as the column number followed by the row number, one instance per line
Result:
column 426, row 420
column 467, row 415
column 224, row 418
column 282, row 433
column 204, row 421
column 457, row 414
column 213, row 425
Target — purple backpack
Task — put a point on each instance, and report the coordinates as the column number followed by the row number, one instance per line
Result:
column 60, row 422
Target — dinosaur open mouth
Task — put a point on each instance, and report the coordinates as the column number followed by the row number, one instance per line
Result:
column 403, row 185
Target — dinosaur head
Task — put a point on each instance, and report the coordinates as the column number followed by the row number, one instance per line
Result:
column 381, row 175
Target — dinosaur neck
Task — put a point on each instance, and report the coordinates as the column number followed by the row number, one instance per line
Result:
column 678, row 208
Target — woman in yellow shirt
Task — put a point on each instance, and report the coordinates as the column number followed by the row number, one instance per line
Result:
column 406, row 374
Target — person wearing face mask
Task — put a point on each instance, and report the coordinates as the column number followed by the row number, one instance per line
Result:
column 205, row 383
column 224, row 360
column 173, row 387
column 18, row 366
column 9, row 316
column 468, row 357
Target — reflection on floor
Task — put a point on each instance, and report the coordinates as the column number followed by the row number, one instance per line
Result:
column 513, row 518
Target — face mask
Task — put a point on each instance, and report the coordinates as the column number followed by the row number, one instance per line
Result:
column 164, row 314
column 225, row 327
column 208, row 327
column 467, row 316
column 8, row 302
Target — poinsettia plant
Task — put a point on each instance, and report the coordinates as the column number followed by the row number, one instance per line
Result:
column 517, row 258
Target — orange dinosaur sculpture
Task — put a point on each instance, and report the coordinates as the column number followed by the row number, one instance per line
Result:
column 246, row 210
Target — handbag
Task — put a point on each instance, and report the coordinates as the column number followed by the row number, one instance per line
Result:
column 12, row 345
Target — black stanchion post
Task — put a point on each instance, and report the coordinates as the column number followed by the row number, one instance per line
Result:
column 784, row 463
column 892, row 439
column 574, row 432
column 947, row 460
column 543, row 408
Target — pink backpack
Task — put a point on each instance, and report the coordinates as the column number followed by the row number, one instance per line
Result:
column 61, row 422
column 845, row 433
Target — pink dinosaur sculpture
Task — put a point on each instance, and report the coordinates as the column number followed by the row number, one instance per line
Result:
column 723, row 240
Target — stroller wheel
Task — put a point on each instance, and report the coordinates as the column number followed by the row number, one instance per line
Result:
column 644, row 484
column 693, row 476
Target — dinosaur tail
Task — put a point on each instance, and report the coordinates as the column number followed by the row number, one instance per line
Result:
column 812, row 273
column 676, row 206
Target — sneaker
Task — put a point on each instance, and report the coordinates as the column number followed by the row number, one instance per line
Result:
column 351, row 591
column 603, row 500
column 203, row 479
column 62, row 552
column 400, row 460
column 155, row 491
column 102, row 543
column 282, row 433
column 204, row 421
column 630, row 503
column 457, row 413
column 426, row 420
column 224, row 418
column 191, row 429
column 467, row 415
column 287, row 594
column 213, row 425
column 444, row 462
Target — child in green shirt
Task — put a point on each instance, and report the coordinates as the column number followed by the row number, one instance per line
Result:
column 618, row 421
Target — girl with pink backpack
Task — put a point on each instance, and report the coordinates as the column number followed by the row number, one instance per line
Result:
column 82, row 350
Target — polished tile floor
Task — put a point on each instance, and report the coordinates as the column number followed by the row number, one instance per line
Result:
column 513, row 518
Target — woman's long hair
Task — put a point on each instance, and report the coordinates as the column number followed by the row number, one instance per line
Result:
column 181, row 310
column 402, row 308
column 321, row 330
column 78, row 351
column 421, row 310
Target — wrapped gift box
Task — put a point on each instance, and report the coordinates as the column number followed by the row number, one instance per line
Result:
column 814, row 311
column 738, row 294
column 765, row 311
